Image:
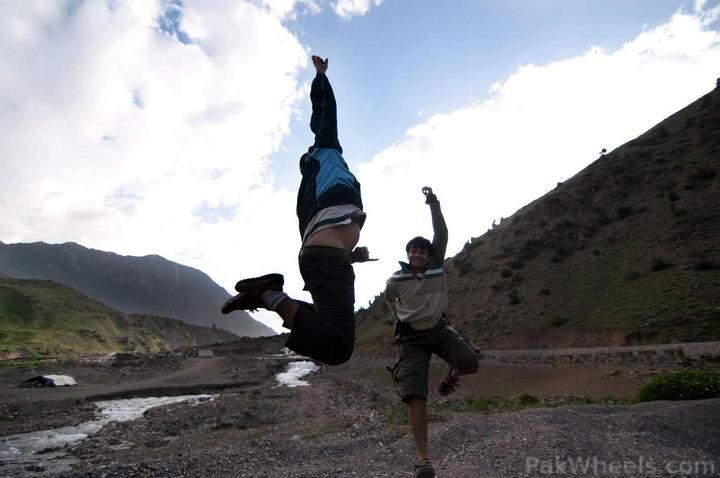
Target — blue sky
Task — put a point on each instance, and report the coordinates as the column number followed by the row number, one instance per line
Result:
column 396, row 65
column 175, row 127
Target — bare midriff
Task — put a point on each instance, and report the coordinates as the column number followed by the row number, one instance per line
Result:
column 343, row 236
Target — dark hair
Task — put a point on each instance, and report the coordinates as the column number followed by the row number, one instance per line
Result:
column 420, row 242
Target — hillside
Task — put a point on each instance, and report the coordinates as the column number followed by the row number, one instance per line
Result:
column 624, row 252
column 46, row 318
column 149, row 285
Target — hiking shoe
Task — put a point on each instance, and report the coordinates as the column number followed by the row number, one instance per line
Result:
column 242, row 301
column 448, row 384
column 423, row 469
column 256, row 285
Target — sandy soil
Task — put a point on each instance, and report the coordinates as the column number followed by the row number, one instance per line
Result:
column 349, row 422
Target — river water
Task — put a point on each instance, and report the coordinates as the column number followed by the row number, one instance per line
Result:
column 41, row 453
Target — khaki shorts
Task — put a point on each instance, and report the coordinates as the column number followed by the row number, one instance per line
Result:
column 415, row 349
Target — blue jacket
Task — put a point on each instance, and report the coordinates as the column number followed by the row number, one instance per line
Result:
column 326, row 178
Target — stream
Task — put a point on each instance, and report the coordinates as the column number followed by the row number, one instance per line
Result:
column 42, row 452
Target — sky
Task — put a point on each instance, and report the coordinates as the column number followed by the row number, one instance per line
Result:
column 175, row 127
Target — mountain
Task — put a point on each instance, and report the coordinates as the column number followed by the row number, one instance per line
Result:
column 47, row 318
column 149, row 285
column 624, row 252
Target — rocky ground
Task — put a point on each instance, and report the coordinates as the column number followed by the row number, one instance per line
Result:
column 348, row 422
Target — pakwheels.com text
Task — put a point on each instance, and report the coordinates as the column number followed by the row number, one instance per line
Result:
column 596, row 466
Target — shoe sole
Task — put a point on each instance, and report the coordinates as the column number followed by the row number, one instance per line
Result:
column 242, row 301
column 256, row 285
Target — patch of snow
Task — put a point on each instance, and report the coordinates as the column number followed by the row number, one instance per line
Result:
column 61, row 380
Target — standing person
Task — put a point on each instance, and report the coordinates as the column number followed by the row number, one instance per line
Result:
column 418, row 299
column 330, row 212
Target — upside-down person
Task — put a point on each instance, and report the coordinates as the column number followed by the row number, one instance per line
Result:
column 330, row 212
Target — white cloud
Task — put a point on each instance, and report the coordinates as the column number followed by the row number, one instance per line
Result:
column 346, row 9
column 115, row 132
column 123, row 136
column 539, row 126
column 289, row 9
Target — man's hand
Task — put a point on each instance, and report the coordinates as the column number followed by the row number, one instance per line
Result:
column 430, row 197
column 321, row 65
column 361, row 254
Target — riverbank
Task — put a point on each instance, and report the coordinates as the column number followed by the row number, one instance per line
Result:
column 349, row 422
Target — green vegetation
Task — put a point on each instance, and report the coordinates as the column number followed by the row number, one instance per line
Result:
column 682, row 385
column 514, row 297
column 45, row 319
column 660, row 264
column 624, row 211
column 558, row 321
column 528, row 399
column 705, row 265
column 463, row 266
column 495, row 404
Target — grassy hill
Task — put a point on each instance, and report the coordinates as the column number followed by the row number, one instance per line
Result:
column 46, row 318
column 150, row 285
column 624, row 252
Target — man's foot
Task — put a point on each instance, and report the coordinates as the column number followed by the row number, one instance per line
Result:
column 448, row 384
column 242, row 301
column 423, row 469
column 256, row 285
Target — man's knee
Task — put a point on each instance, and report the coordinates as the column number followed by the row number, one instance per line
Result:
column 339, row 354
column 468, row 364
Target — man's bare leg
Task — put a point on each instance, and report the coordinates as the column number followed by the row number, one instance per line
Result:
column 417, row 414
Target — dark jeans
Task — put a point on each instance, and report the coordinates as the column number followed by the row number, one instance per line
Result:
column 325, row 331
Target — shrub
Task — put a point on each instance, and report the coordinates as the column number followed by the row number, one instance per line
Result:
column 705, row 265
column 514, row 297
column 682, row 385
column 463, row 266
column 544, row 291
column 672, row 196
column 603, row 219
column 662, row 132
column 506, row 272
column 531, row 248
column 660, row 265
column 558, row 321
column 624, row 211
column 528, row 399
column 633, row 275
column 516, row 264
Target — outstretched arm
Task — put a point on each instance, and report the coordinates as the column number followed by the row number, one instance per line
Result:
column 323, row 121
column 440, row 231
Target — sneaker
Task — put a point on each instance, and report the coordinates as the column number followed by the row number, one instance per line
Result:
column 423, row 469
column 448, row 384
column 256, row 285
column 242, row 301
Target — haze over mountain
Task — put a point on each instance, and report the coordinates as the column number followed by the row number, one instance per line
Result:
column 624, row 252
column 149, row 285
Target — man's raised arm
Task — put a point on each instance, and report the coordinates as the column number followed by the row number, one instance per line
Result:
column 440, row 231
